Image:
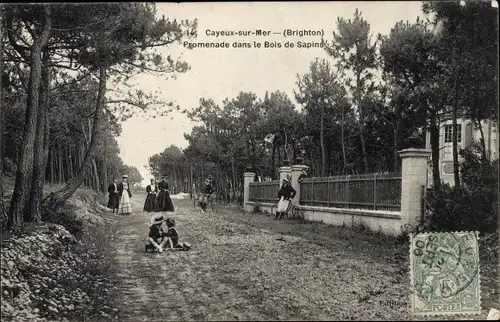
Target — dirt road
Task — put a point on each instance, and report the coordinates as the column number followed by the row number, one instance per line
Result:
column 238, row 270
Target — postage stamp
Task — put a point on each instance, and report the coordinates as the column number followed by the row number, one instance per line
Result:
column 444, row 269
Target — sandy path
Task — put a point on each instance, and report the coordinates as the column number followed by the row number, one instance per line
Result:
column 237, row 271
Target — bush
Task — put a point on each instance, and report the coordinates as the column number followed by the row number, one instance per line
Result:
column 67, row 220
column 474, row 205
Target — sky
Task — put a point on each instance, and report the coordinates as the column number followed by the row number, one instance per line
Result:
column 220, row 73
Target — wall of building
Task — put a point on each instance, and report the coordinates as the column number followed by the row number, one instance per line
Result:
column 469, row 133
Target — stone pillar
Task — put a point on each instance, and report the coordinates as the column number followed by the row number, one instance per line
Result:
column 284, row 172
column 247, row 178
column 413, row 177
column 296, row 172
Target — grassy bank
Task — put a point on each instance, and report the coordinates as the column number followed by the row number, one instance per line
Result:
column 60, row 270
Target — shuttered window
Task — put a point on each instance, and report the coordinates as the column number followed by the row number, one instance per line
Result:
column 468, row 135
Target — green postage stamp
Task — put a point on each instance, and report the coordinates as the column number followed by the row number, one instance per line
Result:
column 444, row 269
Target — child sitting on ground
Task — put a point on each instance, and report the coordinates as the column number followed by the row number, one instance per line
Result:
column 173, row 237
column 156, row 235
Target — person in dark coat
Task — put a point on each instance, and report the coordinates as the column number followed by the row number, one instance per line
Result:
column 114, row 198
column 303, row 175
column 164, row 201
column 207, row 192
column 286, row 194
column 151, row 203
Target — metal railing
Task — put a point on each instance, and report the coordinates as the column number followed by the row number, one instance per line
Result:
column 266, row 191
column 377, row 191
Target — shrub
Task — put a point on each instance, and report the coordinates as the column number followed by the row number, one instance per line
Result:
column 471, row 207
column 66, row 219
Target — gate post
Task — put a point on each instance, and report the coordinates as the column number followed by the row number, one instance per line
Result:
column 413, row 177
column 296, row 172
column 247, row 178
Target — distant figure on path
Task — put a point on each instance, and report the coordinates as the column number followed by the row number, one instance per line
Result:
column 286, row 193
column 151, row 203
column 164, row 201
column 114, row 198
column 125, row 208
column 207, row 192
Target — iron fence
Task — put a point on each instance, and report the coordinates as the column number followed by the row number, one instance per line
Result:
column 377, row 191
column 266, row 191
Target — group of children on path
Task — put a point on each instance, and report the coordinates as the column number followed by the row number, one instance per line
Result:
column 158, row 238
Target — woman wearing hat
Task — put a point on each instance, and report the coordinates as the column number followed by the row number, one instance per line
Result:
column 164, row 201
column 151, row 203
column 286, row 194
column 114, row 198
column 125, row 208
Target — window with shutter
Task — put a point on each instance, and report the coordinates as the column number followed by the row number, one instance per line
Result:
column 469, row 139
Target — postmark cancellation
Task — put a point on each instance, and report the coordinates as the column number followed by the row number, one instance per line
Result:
column 444, row 270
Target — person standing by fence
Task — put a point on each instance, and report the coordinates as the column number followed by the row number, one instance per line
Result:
column 125, row 208
column 114, row 198
column 286, row 193
column 303, row 175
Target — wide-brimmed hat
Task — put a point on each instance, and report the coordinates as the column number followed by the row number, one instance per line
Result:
column 125, row 176
column 157, row 219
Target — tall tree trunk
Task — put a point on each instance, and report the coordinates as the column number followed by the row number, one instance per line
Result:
column 456, row 169
column 434, row 138
column 234, row 176
column 25, row 161
column 60, row 163
column 97, row 185
column 56, row 200
column 342, row 138
column 361, row 121
column 105, row 165
column 3, row 211
column 70, row 162
column 322, row 143
column 52, row 166
column 34, row 213
column 273, row 157
column 395, row 145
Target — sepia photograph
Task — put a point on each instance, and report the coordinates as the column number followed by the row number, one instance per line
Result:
column 249, row 161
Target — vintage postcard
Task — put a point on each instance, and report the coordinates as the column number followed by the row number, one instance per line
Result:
column 243, row 160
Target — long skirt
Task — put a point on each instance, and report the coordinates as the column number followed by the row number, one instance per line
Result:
column 164, row 201
column 151, row 203
column 114, row 201
column 125, row 207
column 283, row 205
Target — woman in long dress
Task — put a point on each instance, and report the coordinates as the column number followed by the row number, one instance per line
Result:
column 151, row 203
column 125, row 208
column 164, row 201
column 114, row 198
